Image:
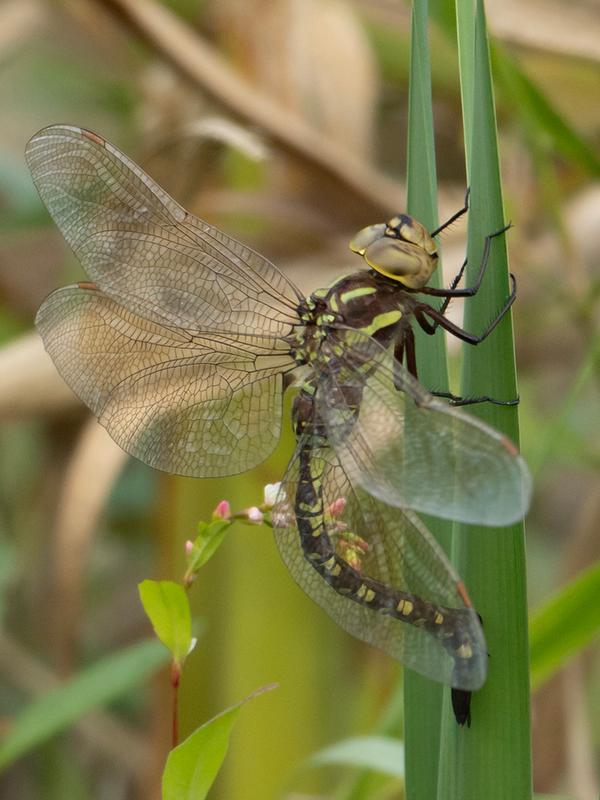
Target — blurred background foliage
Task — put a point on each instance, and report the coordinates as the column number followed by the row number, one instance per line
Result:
column 277, row 120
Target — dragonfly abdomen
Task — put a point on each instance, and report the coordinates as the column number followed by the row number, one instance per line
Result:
column 448, row 625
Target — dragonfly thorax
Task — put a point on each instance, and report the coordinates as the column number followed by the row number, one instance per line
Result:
column 363, row 301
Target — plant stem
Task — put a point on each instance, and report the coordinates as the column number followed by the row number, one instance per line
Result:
column 175, row 677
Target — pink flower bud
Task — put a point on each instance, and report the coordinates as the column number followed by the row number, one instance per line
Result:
column 189, row 546
column 336, row 509
column 222, row 511
column 353, row 560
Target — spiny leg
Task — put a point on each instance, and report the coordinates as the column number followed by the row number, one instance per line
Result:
column 454, row 217
column 455, row 281
column 404, row 348
column 457, row 400
column 468, row 291
column 424, row 310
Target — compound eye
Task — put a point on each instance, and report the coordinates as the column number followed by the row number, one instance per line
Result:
column 394, row 257
column 365, row 237
column 410, row 230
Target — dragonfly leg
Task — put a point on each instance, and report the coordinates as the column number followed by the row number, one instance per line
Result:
column 404, row 349
column 468, row 291
column 457, row 400
column 455, row 281
column 424, row 310
column 454, row 217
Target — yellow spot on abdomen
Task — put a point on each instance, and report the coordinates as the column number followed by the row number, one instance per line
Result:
column 329, row 564
column 405, row 607
column 465, row 650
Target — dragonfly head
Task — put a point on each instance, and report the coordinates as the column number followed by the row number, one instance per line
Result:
column 401, row 249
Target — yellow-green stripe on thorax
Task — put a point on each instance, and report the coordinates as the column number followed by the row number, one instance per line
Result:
column 364, row 301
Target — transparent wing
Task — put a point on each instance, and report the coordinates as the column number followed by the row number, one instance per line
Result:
column 178, row 401
column 413, row 451
column 145, row 250
column 400, row 553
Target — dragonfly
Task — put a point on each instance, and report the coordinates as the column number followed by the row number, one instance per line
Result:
column 183, row 341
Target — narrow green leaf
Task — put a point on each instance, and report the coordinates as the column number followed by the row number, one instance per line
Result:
column 193, row 765
column 465, row 33
column 93, row 687
column 209, row 539
column 167, row 606
column 422, row 697
column 422, row 173
column 541, row 118
column 367, row 784
column 378, row 753
column 564, row 624
column 490, row 759
column 544, row 125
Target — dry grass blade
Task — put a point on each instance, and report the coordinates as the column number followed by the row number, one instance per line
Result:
column 30, row 382
column 91, row 474
column 19, row 19
column 198, row 62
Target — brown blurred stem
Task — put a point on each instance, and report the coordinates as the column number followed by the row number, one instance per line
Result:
column 175, row 680
column 200, row 63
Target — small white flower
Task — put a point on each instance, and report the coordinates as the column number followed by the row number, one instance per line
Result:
column 254, row 514
column 271, row 493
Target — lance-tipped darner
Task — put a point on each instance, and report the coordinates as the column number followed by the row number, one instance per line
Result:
column 182, row 342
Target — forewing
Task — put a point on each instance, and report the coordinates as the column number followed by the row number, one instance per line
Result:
column 413, row 451
column 145, row 250
column 183, row 403
column 401, row 554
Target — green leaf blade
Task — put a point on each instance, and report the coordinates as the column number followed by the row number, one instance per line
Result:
column 539, row 116
column 564, row 625
column 166, row 605
column 92, row 688
column 210, row 537
column 378, row 753
column 193, row 765
column 422, row 697
column 492, row 759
